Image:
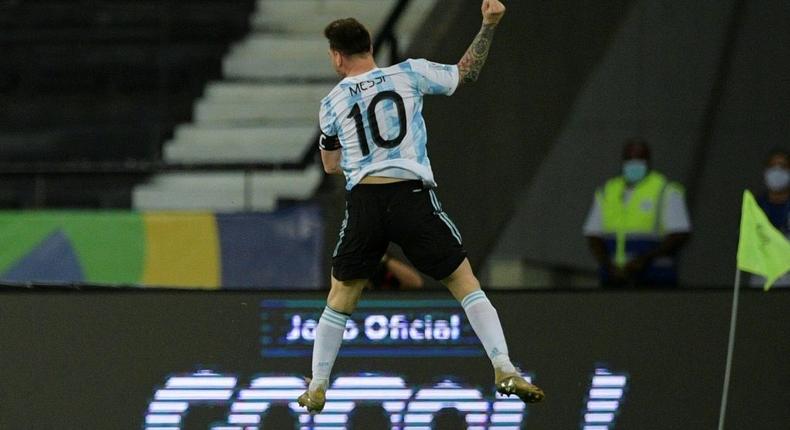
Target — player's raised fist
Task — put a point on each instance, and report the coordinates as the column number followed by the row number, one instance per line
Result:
column 493, row 11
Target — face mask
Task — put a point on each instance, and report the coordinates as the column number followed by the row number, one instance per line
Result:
column 634, row 170
column 777, row 178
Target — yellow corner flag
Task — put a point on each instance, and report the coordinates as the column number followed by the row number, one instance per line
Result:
column 762, row 249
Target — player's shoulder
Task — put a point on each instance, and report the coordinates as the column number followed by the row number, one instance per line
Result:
column 412, row 69
column 417, row 65
column 334, row 94
column 422, row 65
column 405, row 67
column 413, row 65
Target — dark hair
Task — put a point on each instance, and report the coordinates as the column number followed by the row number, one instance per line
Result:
column 636, row 141
column 777, row 151
column 348, row 36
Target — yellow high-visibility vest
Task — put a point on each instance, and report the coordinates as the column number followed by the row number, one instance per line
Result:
column 637, row 219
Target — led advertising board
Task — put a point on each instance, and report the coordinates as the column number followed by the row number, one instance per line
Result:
column 236, row 361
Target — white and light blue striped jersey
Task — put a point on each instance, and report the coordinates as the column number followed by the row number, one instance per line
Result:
column 377, row 117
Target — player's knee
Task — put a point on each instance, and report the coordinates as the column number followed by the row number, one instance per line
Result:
column 465, row 281
column 462, row 275
column 344, row 295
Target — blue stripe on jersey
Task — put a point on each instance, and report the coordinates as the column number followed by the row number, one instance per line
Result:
column 434, row 88
column 344, row 161
column 419, row 134
column 330, row 117
column 393, row 124
column 406, row 66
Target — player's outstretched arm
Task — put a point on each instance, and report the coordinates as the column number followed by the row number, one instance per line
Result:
column 475, row 57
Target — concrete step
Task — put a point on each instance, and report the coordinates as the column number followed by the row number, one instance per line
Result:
column 229, row 199
column 304, row 8
column 237, row 152
column 279, row 57
column 290, row 183
column 311, row 16
column 192, row 133
column 256, row 62
column 244, row 92
column 216, row 191
column 264, row 111
column 225, row 191
column 235, row 144
column 282, row 46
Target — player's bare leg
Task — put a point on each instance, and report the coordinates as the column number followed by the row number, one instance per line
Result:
column 342, row 300
column 485, row 321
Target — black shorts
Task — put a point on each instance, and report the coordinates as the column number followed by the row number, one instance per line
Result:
column 405, row 213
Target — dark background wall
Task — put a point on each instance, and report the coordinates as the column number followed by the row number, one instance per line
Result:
column 646, row 85
column 704, row 82
column 487, row 141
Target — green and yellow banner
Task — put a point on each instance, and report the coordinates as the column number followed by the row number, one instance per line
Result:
column 163, row 249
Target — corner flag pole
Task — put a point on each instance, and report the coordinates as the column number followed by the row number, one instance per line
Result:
column 730, row 348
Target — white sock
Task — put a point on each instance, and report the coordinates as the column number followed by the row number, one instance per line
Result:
column 328, row 337
column 485, row 322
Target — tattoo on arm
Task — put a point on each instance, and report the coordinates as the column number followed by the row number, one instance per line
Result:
column 475, row 57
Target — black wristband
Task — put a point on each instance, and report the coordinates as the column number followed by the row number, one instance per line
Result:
column 329, row 143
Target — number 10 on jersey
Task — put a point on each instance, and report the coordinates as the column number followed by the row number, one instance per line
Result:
column 375, row 130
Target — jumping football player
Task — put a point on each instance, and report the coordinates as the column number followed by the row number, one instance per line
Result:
column 373, row 132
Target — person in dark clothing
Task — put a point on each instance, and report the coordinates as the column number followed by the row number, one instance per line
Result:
column 775, row 202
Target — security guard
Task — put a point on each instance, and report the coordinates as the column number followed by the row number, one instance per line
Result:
column 637, row 224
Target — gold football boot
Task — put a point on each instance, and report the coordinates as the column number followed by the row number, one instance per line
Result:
column 313, row 400
column 512, row 383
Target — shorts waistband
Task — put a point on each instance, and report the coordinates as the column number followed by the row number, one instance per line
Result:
column 412, row 183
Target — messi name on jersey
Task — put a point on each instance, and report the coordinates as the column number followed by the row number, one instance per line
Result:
column 366, row 85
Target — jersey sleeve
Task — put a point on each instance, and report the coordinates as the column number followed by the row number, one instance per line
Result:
column 328, row 141
column 326, row 120
column 434, row 78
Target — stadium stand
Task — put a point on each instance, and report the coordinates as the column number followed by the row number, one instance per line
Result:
column 265, row 109
column 124, row 73
column 101, row 81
